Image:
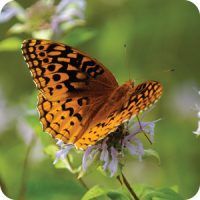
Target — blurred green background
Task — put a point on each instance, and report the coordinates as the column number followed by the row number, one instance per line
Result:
column 159, row 35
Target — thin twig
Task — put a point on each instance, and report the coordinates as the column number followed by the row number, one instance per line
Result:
column 80, row 180
column 129, row 187
column 83, row 183
column 22, row 189
column 143, row 130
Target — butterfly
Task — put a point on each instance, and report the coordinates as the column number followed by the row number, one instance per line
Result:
column 79, row 100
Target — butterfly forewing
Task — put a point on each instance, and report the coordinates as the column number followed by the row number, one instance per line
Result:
column 60, row 71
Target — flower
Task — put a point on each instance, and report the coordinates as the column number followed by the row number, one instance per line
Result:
column 114, row 161
column 197, row 132
column 64, row 150
column 110, row 151
column 68, row 13
column 45, row 18
column 10, row 10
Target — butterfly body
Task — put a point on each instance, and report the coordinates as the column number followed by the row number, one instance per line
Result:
column 80, row 101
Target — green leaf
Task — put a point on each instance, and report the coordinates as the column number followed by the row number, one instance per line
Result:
column 151, row 152
column 160, row 194
column 10, row 44
column 97, row 191
column 94, row 192
column 117, row 195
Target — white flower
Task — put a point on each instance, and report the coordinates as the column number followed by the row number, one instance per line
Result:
column 197, row 132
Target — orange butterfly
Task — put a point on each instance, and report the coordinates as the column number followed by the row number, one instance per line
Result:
column 79, row 100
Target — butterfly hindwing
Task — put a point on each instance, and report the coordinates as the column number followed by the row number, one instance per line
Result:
column 141, row 98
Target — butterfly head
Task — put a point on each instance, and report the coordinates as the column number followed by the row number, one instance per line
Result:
column 130, row 84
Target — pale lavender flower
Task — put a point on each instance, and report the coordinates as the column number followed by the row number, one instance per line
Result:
column 10, row 10
column 89, row 156
column 109, row 151
column 64, row 150
column 68, row 13
column 147, row 127
column 113, row 166
column 104, row 154
column 45, row 18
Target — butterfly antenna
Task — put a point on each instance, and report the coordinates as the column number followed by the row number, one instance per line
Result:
column 161, row 72
column 143, row 130
column 126, row 61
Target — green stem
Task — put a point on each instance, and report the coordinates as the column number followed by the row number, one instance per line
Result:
column 80, row 180
column 119, row 179
column 22, row 189
column 125, row 181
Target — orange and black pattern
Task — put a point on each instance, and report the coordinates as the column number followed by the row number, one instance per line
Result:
column 79, row 100
column 142, row 97
column 59, row 70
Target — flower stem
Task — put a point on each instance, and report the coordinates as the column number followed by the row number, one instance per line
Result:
column 119, row 179
column 22, row 189
column 79, row 179
column 129, row 187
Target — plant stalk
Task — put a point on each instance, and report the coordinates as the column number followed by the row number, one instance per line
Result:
column 22, row 189
column 125, row 181
column 80, row 180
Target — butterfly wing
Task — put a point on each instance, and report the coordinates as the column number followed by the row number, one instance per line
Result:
column 60, row 71
column 141, row 98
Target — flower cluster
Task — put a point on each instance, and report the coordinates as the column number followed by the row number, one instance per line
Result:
column 110, row 151
column 45, row 17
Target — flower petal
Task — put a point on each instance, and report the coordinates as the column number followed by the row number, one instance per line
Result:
column 86, row 155
column 132, row 148
column 104, row 155
column 197, row 132
column 113, row 166
column 10, row 10
column 62, row 153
